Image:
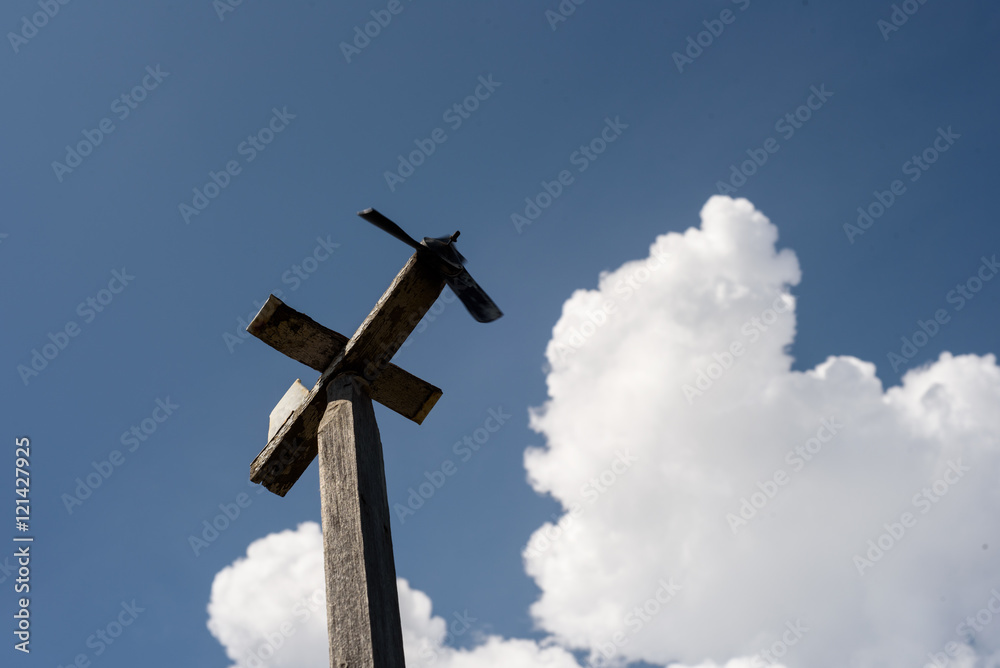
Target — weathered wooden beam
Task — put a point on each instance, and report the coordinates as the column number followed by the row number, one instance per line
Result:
column 404, row 393
column 289, row 452
column 412, row 293
column 303, row 339
column 363, row 618
column 292, row 399
column 296, row 335
column 292, row 447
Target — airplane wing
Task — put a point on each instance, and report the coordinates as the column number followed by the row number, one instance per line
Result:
column 475, row 299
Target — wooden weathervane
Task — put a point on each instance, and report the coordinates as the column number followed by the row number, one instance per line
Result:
column 335, row 420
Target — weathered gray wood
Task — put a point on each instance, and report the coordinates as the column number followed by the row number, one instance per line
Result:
column 401, row 391
column 296, row 335
column 366, row 356
column 414, row 290
column 362, row 602
column 291, row 400
column 290, row 451
column 303, row 339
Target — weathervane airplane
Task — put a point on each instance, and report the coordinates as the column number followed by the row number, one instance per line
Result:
column 441, row 254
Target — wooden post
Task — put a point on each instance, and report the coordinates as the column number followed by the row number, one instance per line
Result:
column 367, row 353
column 335, row 421
column 362, row 604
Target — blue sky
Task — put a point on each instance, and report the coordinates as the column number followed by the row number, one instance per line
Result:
column 178, row 288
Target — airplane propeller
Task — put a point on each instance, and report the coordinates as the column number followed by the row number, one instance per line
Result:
column 443, row 255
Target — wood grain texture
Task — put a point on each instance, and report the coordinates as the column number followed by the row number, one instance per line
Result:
column 291, row 400
column 366, row 356
column 296, row 335
column 411, row 294
column 404, row 393
column 362, row 602
column 290, row 451
column 303, row 339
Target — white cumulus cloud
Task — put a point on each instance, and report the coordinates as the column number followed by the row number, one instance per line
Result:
column 718, row 506
column 269, row 609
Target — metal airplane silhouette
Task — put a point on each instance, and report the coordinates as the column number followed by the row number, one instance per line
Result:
column 441, row 253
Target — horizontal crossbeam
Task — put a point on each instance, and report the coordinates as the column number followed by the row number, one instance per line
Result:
column 303, row 339
column 366, row 356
